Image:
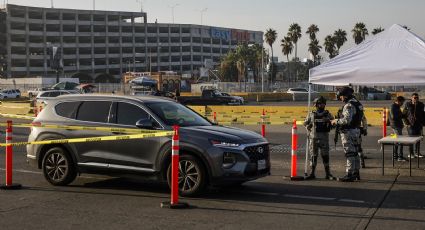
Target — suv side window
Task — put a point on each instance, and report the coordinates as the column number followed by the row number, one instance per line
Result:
column 67, row 109
column 54, row 94
column 95, row 111
column 129, row 114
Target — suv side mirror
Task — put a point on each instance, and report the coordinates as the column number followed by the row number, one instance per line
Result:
column 144, row 124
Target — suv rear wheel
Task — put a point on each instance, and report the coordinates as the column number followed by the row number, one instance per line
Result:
column 192, row 176
column 58, row 167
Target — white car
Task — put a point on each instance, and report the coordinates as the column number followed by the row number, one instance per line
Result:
column 297, row 90
column 45, row 96
column 10, row 93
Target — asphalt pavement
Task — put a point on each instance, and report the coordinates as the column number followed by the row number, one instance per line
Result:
column 392, row 201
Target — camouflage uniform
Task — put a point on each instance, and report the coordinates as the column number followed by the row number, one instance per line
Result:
column 318, row 125
column 350, row 123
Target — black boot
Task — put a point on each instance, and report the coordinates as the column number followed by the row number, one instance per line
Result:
column 347, row 178
column 328, row 174
column 362, row 161
column 312, row 175
column 356, row 175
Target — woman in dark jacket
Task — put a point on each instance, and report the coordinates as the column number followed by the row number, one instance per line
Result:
column 397, row 125
column 413, row 117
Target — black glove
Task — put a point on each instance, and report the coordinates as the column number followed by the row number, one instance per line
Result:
column 364, row 132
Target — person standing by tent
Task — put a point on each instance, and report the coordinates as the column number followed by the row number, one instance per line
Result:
column 396, row 122
column 413, row 115
column 349, row 124
column 318, row 124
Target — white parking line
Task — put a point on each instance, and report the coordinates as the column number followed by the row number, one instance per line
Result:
column 310, row 197
column 352, row 201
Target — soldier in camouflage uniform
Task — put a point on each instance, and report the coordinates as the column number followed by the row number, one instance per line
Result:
column 349, row 124
column 318, row 124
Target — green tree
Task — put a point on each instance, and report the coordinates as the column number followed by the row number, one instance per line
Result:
column 294, row 34
column 287, row 46
column 311, row 31
column 270, row 37
column 228, row 69
column 314, row 48
column 359, row 32
column 330, row 46
column 377, row 30
column 340, row 37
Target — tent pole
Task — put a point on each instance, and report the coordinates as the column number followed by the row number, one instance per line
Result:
column 308, row 109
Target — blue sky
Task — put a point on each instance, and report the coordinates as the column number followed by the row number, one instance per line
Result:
column 329, row 15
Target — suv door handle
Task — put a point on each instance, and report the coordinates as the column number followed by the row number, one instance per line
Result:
column 118, row 133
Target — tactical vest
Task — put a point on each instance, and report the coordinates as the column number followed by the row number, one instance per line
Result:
column 321, row 121
column 357, row 118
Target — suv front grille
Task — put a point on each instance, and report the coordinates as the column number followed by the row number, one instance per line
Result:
column 257, row 152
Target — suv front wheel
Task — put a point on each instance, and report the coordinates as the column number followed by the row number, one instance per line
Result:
column 192, row 176
column 58, row 167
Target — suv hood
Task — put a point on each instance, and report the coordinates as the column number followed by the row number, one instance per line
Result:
column 225, row 133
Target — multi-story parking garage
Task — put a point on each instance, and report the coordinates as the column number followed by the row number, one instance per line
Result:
column 95, row 43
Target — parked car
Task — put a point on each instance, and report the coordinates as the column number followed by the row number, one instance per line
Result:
column 209, row 154
column 297, row 90
column 210, row 97
column 241, row 100
column 10, row 93
column 33, row 93
column 45, row 96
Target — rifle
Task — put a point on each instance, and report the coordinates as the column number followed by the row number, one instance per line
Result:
column 337, row 127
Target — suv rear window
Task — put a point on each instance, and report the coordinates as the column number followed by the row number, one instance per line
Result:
column 67, row 109
column 96, row 111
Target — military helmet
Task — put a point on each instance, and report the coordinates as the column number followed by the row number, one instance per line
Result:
column 345, row 91
column 319, row 100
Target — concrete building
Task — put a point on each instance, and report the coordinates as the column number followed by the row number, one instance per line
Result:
column 100, row 44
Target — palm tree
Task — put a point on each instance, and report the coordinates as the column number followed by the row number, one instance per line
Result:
column 330, row 46
column 258, row 53
column 340, row 37
column 228, row 66
column 287, row 47
column 314, row 49
column 359, row 32
column 243, row 54
column 270, row 37
column 377, row 30
column 312, row 30
column 294, row 34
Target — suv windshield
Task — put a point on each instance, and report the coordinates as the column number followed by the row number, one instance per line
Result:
column 176, row 114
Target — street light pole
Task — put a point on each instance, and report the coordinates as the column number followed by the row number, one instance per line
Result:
column 262, row 69
column 172, row 10
column 202, row 14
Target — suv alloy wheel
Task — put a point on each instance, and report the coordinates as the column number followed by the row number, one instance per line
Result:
column 192, row 176
column 58, row 167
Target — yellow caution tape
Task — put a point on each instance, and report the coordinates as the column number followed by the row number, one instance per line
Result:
column 17, row 116
column 72, row 127
column 92, row 139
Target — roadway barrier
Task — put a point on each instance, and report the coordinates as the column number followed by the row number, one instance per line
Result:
column 263, row 126
column 294, row 153
column 175, row 147
column 16, row 116
column 276, row 115
column 9, row 160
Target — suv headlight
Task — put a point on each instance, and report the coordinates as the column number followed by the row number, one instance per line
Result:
column 223, row 144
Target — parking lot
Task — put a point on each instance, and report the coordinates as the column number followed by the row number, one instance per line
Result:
column 376, row 202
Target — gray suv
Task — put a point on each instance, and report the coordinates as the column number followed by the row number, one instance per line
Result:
column 209, row 154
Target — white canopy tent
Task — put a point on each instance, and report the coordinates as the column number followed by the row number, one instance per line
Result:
column 395, row 56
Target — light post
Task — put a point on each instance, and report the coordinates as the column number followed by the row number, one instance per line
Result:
column 262, row 68
column 202, row 14
column 172, row 10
